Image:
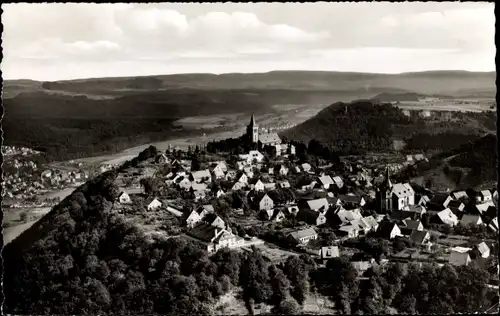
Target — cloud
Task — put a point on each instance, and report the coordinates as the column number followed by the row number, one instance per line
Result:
column 216, row 36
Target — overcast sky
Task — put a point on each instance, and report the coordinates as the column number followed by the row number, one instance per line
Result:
column 66, row 41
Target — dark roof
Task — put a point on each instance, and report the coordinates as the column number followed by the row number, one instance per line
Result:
column 454, row 204
column 308, row 216
column 350, row 198
column 439, row 198
column 385, row 228
column 203, row 231
column 418, row 236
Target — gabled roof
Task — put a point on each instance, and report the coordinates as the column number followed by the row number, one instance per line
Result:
column 485, row 193
column 471, row 219
column 447, row 217
column 198, row 187
column 455, row 204
column 350, row 198
column 198, row 175
column 326, row 180
column 308, row 215
column 459, row 258
column 337, row 180
column 269, row 138
column 205, row 232
column 418, row 236
column 483, row 248
column 371, row 221
column 411, row 224
column 348, row 216
column 459, row 194
column 151, row 199
column 440, row 198
column 303, row 233
column 317, row 203
column 385, row 228
column 207, row 207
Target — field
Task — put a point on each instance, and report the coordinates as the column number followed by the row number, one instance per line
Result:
column 12, row 219
column 448, row 105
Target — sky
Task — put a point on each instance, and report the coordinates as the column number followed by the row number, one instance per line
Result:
column 59, row 41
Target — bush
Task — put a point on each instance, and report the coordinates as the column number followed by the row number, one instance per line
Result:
column 23, row 216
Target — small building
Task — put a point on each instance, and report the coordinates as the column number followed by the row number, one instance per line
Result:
column 311, row 217
column 124, row 198
column 306, row 167
column 388, row 230
column 303, row 236
column 266, row 203
column 275, row 215
column 423, row 200
column 339, row 183
column 456, row 206
column 283, row 171
column 329, row 252
column 326, row 182
column 349, row 231
column 484, row 196
column 214, row 238
column 447, row 217
column 459, row 258
column 481, row 250
column 258, row 186
column 457, row 195
column 352, row 201
column 218, row 172
column 420, row 237
column 153, row 204
column 439, row 201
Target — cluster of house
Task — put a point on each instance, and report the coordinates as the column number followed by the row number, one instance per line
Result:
column 57, row 177
column 13, row 150
column 344, row 212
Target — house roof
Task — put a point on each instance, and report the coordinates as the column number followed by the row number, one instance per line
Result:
column 303, row 233
column 208, row 207
column 439, row 198
column 204, row 232
column 485, row 193
column 411, row 224
column 459, row 258
column 483, row 247
column 198, row 175
column 385, row 228
column 402, row 190
column 481, row 208
column 308, row 215
column 306, row 166
column 326, row 180
column 419, row 209
column 455, row 204
column 447, row 216
column 337, row 180
column 351, row 198
column 151, row 199
column 459, row 194
column 370, row 220
column 418, row 236
column 285, row 184
column 470, row 219
column 317, row 203
column 348, row 216
column 198, row 187
column 269, row 138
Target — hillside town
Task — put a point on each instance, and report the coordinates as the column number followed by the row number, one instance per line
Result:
column 285, row 207
column 25, row 179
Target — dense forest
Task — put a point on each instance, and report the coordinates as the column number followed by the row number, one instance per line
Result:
column 82, row 258
column 351, row 128
column 361, row 127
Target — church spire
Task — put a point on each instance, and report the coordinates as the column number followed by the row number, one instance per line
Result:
column 387, row 181
column 252, row 120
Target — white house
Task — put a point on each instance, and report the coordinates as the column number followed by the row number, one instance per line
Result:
column 243, row 179
column 283, row 170
column 248, row 171
column 306, row 167
column 153, row 204
column 318, row 205
column 266, row 203
column 185, row 184
column 389, row 230
column 218, row 172
column 484, row 196
column 338, row 182
column 124, row 198
column 258, row 186
column 303, row 236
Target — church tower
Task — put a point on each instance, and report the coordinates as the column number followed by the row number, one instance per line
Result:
column 253, row 130
column 384, row 194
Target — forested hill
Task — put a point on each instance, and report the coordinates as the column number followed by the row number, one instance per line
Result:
column 474, row 164
column 348, row 128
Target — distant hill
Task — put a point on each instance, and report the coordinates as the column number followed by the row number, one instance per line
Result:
column 431, row 82
column 471, row 165
column 392, row 97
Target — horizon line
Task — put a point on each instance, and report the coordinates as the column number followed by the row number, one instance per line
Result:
column 250, row 73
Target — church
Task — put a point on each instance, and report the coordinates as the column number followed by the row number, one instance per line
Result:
column 262, row 139
column 394, row 197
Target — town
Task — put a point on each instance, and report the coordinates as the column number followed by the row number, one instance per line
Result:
column 267, row 198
